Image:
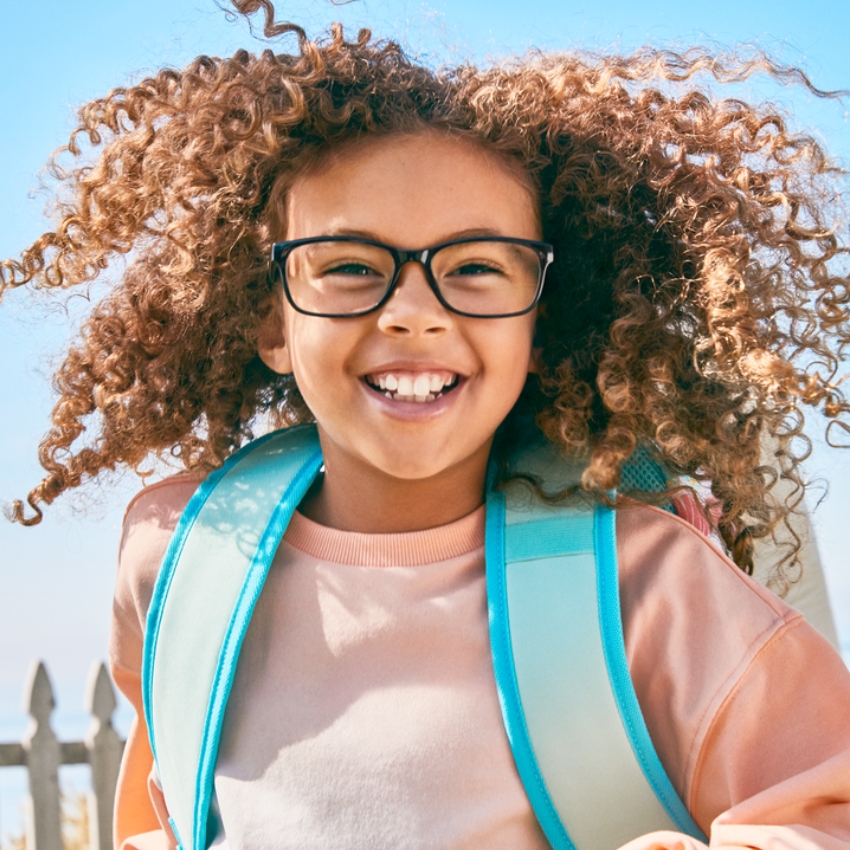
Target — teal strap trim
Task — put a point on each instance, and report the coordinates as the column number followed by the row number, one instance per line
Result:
column 506, row 683
column 613, row 643
column 244, row 608
column 166, row 574
column 176, row 833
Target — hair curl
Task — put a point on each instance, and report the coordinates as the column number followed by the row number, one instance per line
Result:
column 694, row 306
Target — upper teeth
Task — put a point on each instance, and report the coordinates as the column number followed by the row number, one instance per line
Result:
column 421, row 387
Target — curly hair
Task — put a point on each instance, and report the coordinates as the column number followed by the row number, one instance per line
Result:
column 695, row 306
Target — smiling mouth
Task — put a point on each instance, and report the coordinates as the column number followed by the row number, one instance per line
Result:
column 421, row 387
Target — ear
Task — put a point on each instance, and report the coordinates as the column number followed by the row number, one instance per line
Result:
column 271, row 343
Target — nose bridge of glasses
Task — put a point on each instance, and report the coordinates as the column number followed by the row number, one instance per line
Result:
column 421, row 258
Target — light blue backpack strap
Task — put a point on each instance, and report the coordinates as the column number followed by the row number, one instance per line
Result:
column 578, row 737
column 202, row 601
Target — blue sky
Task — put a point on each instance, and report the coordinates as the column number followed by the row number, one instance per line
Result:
column 56, row 580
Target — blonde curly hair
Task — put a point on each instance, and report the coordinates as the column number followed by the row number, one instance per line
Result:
column 695, row 306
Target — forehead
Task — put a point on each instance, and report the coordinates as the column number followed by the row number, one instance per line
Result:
column 413, row 191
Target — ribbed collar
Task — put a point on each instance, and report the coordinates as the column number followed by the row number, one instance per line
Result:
column 409, row 549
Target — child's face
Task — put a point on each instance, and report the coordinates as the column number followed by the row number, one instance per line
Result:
column 409, row 192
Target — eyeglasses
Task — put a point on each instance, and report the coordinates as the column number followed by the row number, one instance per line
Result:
column 345, row 276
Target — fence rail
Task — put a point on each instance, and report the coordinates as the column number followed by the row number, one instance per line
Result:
column 42, row 753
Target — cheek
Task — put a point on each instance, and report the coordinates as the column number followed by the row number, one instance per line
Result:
column 510, row 357
column 514, row 344
column 320, row 349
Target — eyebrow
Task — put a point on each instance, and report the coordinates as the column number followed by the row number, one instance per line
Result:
column 469, row 232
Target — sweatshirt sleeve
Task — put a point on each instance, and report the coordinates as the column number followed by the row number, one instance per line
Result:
column 749, row 706
column 141, row 818
column 778, row 752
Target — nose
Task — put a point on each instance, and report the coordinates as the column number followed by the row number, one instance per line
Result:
column 414, row 307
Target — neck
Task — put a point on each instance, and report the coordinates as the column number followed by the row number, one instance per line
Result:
column 354, row 496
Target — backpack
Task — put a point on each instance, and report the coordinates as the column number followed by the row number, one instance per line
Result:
column 579, row 740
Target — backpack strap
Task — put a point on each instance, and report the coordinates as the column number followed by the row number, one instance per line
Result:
column 578, row 737
column 574, row 725
column 224, row 544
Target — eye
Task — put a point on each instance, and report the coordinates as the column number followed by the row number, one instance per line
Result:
column 476, row 268
column 359, row 269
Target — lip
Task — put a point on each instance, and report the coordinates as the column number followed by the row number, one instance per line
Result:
column 412, row 366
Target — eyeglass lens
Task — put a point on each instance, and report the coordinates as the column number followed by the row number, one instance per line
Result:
column 481, row 277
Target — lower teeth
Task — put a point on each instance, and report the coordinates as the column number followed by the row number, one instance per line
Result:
column 420, row 399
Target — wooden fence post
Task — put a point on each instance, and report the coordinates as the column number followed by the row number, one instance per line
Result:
column 104, row 755
column 42, row 757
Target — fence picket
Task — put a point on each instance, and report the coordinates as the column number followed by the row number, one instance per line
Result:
column 42, row 756
column 104, row 749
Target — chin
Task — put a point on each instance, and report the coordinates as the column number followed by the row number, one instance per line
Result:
column 401, row 465
column 409, row 472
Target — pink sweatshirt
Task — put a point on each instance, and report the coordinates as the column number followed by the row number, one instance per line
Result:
column 364, row 712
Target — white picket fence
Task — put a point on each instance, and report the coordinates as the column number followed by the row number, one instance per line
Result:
column 41, row 753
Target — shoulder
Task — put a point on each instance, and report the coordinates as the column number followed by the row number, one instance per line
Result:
column 162, row 498
column 663, row 555
column 149, row 522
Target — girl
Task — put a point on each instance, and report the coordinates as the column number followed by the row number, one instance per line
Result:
column 559, row 257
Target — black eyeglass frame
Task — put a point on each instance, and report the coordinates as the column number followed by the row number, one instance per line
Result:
column 281, row 250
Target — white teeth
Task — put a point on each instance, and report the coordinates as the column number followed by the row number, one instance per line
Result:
column 421, row 386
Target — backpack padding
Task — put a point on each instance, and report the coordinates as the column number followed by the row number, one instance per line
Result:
column 575, row 727
column 201, row 612
column 809, row 594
